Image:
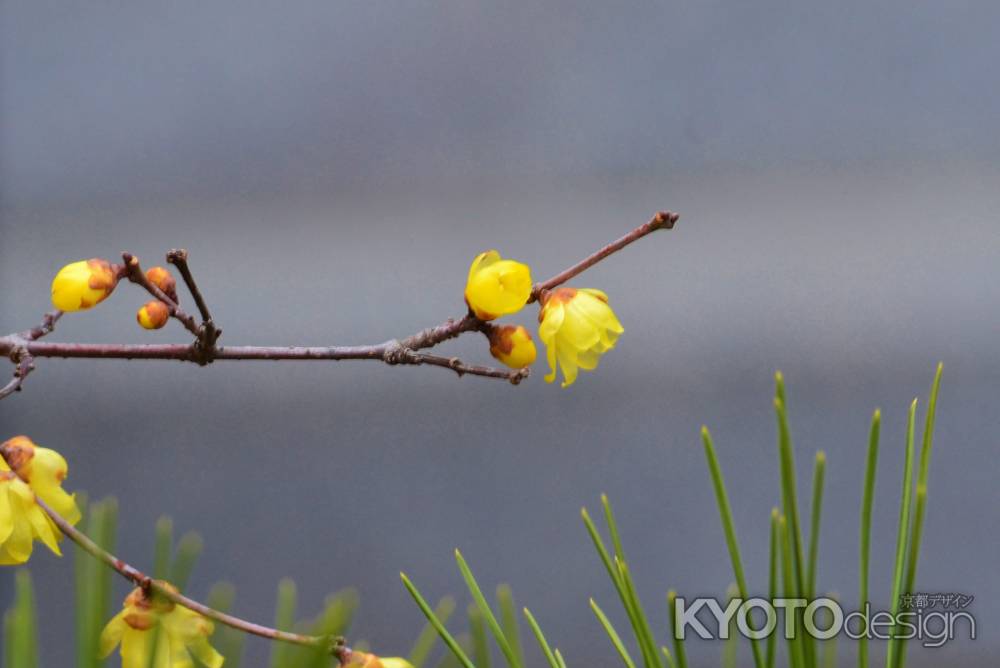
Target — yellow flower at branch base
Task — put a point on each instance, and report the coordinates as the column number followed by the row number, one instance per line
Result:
column 153, row 315
column 367, row 660
column 27, row 471
column 496, row 286
column 84, row 284
column 512, row 345
column 151, row 623
column 577, row 327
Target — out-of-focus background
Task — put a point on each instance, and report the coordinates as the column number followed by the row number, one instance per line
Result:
column 334, row 167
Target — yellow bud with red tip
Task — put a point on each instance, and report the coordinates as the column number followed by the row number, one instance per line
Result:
column 153, row 315
column 84, row 284
column 161, row 278
column 497, row 287
column 512, row 345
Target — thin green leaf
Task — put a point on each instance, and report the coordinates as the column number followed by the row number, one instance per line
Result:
column 540, row 637
column 477, row 631
column 188, row 550
column 615, row 638
column 164, row 548
column 508, row 619
column 228, row 641
column 484, row 607
column 901, row 531
column 819, row 474
column 437, row 623
column 284, row 620
column 681, row 655
column 424, row 645
column 867, row 501
column 772, row 585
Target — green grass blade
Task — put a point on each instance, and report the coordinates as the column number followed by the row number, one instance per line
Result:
column 93, row 581
column 284, row 620
column 188, row 550
column 729, row 648
column 228, row 641
column 640, row 623
column 540, row 637
column 477, row 631
column 21, row 625
column 902, row 528
column 424, row 645
column 867, row 500
column 439, row 626
column 484, row 608
column 560, row 659
column 615, row 638
column 772, row 586
column 726, row 515
column 508, row 619
column 819, row 475
column 164, row 548
column 668, row 656
column 795, row 650
column 920, row 505
column 681, row 656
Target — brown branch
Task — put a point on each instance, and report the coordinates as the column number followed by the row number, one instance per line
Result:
column 663, row 220
column 148, row 584
column 24, row 362
column 23, row 348
column 135, row 274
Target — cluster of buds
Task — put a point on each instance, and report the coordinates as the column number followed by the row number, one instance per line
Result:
column 576, row 325
column 82, row 285
column 155, row 632
column 29, row 473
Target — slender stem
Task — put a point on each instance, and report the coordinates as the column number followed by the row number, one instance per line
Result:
column 867, row 500
column 901, row 535
column 135, row 274
column 663, row 220
column 178, row 257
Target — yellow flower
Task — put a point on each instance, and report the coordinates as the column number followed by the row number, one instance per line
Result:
column 27, row 470
column 153, row 314
column 149, row 623
column 366, row 660
column 84, row 284
column 512, row 345
column 577, row 327
column 497, row 287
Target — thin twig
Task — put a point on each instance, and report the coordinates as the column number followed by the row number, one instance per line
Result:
column 204, row 350
column 135, row 274
column 24, row 362
column 663, row 220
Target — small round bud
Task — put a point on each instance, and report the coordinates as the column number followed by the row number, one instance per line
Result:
column 153, row 315
column 161, row 278
column 512, row 345
column 84, row 284
column 497, row 287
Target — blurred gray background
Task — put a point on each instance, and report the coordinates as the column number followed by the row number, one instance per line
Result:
column 333, row 167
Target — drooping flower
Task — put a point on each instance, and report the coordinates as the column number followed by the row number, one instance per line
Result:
column 497, row 287
column 577, row 327
column 151, row 623
column 84, row 284
column 161, row 278
column 512, row 345
column 153, row 314
column 27, row 470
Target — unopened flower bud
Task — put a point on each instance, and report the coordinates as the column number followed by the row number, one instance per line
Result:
column 497, row 287
column 512, row 345
column 84, row 284
column 368, row 660
column 153, row 314
column 161, row 278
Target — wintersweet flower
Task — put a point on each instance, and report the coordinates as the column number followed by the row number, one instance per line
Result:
column 153, row 315
column 84, row 284
column 577, row 327
column 27, row 471
column 151, row 622
column 497, row 287
column 512, row 345
column 161, row 278
column 366, row 660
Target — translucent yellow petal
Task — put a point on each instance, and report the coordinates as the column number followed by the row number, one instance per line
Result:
column 567, row 362
column 206, row 654
column 396, row 662
column 18, row 546
column 552, row 319
column 43, row 528
column 6, row 513
column 112, row 634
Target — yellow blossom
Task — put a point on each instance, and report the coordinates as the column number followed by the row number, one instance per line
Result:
column 151, row 622
column 27, row 470
column 84, row 284
column 497, row 287
column 153, row 314
column 577, row 327
column 512, row 345
column 366, row 660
